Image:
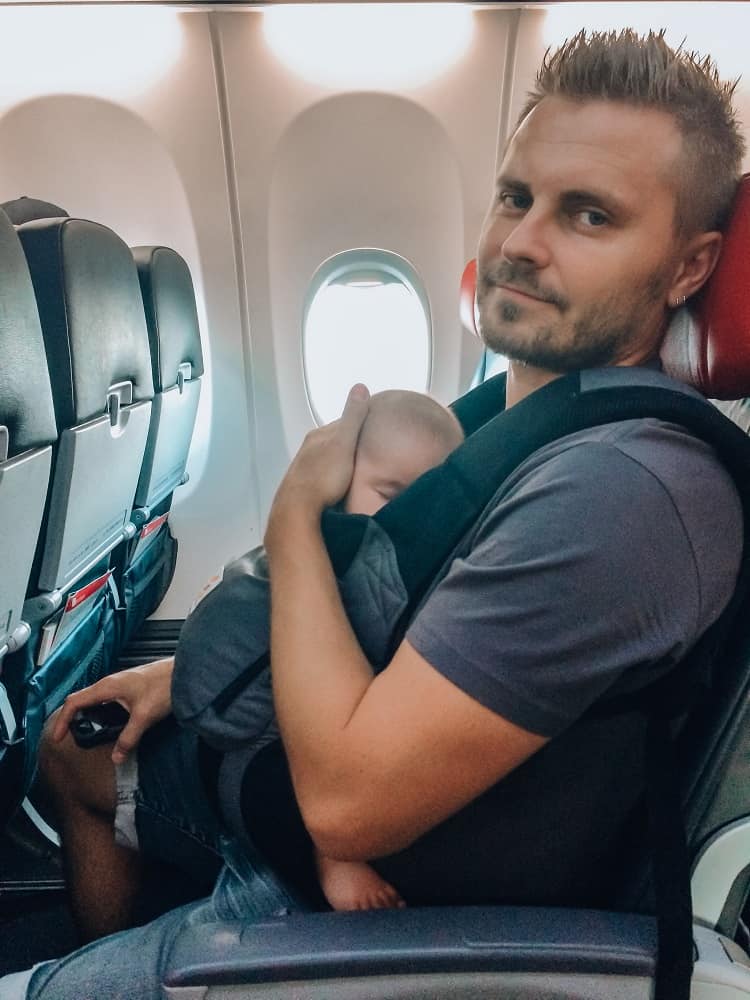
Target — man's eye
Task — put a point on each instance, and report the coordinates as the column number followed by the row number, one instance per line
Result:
column 514, row 201
column 590, row 217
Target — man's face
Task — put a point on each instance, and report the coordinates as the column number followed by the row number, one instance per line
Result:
column 578, row 250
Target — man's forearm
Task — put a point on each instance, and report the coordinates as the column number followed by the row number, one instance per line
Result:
column 319, row 671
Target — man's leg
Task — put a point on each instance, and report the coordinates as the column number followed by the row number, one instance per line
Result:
column 131, row 965
column 104, row 879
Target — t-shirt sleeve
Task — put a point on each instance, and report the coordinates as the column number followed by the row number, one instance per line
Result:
column 581, row 571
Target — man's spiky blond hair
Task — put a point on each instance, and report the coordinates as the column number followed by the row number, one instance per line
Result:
column 643, row 71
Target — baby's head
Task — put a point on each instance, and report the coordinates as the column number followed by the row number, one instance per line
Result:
column 405, row 434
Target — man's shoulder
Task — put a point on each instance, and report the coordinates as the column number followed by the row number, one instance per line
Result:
column 628, row 449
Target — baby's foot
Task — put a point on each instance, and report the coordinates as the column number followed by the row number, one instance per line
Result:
column 354, row 885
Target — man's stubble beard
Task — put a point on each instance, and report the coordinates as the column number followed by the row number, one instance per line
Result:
column 600, row 337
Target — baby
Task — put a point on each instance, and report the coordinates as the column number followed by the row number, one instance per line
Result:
column 405, row 434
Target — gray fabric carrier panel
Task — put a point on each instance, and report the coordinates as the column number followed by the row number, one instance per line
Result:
column 91, row 311
column 27, row 420
column 373, row 596
column 177, row 365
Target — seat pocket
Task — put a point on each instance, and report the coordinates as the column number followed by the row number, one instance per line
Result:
column 146, row 581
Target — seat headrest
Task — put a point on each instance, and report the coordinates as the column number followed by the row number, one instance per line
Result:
column 707, row 344
column 91, row 311
column 26, row 408
column 171, row 314
column 25, row 209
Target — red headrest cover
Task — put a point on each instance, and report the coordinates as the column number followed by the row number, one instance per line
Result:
column 708, row 344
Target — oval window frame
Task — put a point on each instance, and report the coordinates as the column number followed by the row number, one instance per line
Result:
column 347, row 263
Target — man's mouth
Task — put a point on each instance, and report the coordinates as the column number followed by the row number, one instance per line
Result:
column 520, row 292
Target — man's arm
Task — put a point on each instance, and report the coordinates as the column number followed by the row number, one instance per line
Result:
column 375, row 761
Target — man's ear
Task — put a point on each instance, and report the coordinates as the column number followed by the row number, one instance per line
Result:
column 696, row 264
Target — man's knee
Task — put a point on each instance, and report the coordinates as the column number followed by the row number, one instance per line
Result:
column 86, row 777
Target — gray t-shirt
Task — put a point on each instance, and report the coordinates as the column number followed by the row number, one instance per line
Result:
column 605, row 552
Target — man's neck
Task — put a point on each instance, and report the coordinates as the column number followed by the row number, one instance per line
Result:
column 523, row 379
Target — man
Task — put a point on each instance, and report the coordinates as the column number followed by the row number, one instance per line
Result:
column 598, row 561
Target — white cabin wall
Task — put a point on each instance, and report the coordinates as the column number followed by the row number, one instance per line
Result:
column 322, row 169
column 144, row 156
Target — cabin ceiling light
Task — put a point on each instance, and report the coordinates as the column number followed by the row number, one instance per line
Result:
column 709, row 28
column 108, row 51
column 368, row 45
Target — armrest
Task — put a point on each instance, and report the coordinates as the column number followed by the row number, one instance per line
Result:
column 392, row 942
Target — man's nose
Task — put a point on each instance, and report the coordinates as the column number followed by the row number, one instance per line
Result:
column 528, row 240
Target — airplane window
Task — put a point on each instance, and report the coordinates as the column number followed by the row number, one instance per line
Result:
column 367, row 319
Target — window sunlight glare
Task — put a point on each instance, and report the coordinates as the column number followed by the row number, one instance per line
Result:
column 108, row 51
column 368, row 45
column 376, row 334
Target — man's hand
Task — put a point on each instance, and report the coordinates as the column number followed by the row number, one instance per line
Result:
column 145, row 691
column 321, row 471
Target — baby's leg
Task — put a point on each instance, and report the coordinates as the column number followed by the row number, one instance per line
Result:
column 355, row 885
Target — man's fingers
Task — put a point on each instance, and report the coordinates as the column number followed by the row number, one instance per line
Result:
column 128, row 740
column 355, row 410
column 94, row 695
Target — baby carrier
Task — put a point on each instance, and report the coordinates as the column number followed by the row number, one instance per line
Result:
column 386, row 564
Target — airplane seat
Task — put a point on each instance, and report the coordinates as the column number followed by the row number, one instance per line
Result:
column 177, row 368
column 709, row 346
column 27, row 434
column 97, row 347
column 25, row 209
column 27, row 431
column 529, row 952
column 94, row 331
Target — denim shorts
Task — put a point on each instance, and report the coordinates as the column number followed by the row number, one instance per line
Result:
column 164, row 810
column 166, row 813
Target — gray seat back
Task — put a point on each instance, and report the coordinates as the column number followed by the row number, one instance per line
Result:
column 177, row 367
column 95, row 335
column 27, row 432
